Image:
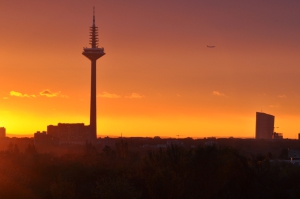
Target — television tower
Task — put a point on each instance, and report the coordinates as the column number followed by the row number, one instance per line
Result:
column 93, row 54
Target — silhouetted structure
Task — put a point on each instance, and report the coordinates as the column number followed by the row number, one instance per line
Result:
column 93, row 54
column 264, row 126
column 298, row 136
column 106, row 141
column 76, row 133
column 2, row 132
column 277, row 136
column 42, row 138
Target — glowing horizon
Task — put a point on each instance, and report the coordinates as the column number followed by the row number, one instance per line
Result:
column 158, row 77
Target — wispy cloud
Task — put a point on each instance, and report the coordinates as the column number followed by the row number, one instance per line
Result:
column 282, row 96
column 115, row 96
column 48, row 93
column 64, row 96
column 217, row 93
column 109, row 95
column 134, row 96
column 274, row 105
column 18, row 94
column 5, row 98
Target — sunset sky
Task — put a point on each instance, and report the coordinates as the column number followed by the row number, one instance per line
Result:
column 158, row 77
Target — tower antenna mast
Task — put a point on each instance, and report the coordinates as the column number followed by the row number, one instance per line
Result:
column 94, row 16
column 93, row 53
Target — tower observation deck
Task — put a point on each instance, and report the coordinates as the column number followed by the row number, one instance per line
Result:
column 93, row 53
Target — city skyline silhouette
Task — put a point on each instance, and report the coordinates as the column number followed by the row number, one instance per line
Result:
column 161, row 78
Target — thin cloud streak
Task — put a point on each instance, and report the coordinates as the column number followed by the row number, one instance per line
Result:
column 18, row 94
column 217, row 93
column 274, row 106
column 45, row 93
column 116, row 96
column 109, row 95
column 48, row 93
column 135, row 96
column 282, row 96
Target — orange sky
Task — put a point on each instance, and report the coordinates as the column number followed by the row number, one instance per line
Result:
column 157, row 77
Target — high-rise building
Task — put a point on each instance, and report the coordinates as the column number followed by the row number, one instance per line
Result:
column 264, row 126
column 2, row 132
column 93, row 53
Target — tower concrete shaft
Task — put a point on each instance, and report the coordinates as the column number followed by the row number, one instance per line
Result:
column 93, row 54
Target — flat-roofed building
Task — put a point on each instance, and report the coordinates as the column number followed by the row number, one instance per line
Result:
column 70, row 133
column 264, row 126
column 2, row 132
column 277, row 136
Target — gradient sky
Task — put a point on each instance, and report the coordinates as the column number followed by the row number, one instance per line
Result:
column 157, row 77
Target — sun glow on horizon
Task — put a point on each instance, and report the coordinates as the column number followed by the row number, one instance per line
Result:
column 158, row 76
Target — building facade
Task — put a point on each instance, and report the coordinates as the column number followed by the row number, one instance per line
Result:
column 42, row 138
column 2, row 132
column 264, row 126
column 71, row 133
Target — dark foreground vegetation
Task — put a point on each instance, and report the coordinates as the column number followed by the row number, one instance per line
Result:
column 174, row 172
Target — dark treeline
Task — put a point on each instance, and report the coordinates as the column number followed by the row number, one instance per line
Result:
column 174, row 172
